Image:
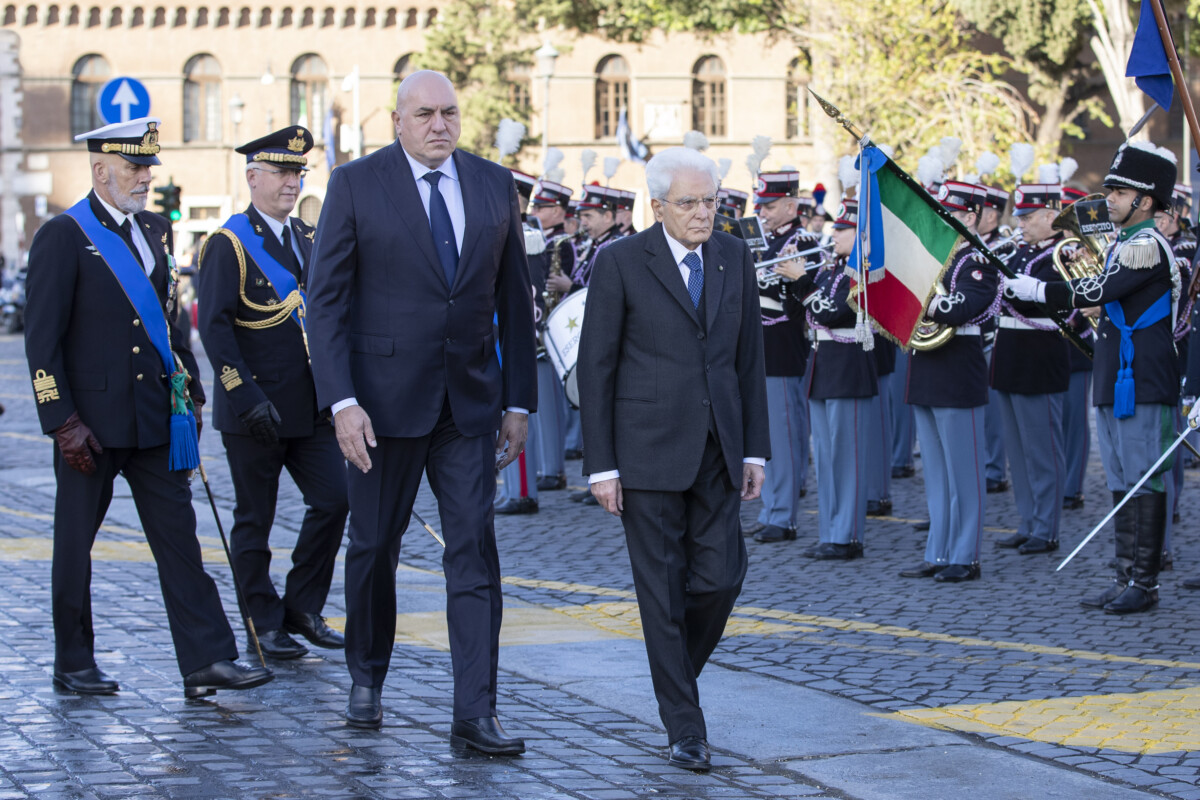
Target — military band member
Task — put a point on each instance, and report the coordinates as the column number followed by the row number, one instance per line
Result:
column 1030, row 372
column 625, row 201
column 732, row 202
column 1136, row 383
column 251, row 299
column 1175, row 224
column 1077, row 439
column 786, row 350
column 598, row 217
column 115, row 385
column 550, row 206
column 948, row 390
column 993, row 426
column 842, row 383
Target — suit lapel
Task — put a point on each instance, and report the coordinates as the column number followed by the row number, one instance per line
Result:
column 662, row 265
column 472, row 209
column 714, row 280
column 401, row 189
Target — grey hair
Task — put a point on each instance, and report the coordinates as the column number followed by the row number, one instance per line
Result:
column 663, row 167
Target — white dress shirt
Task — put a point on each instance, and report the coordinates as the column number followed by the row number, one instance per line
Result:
column 139, row 238
column 451, row 189
column 277, row 228
column 679, row 252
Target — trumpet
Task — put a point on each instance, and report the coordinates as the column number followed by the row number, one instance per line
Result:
column 824, row 251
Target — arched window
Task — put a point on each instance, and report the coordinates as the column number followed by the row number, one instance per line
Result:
column 410, row 18
column 306, row 18
column 796, row 99
column 180, row 18
column 10, row 15
column 369, row 18
column 73, row 15
column 348, row 19
column 137, row 17
column 52, row 15
column 520, row 77
column 114, row 17
column 264, row 18
column 430, row 17
column 202, row 99
column 327, row 18
column 310, row 209
column 612, row 94
column 389, row 20
column 88, row 76
column 244, row 18
column 160, row 18
column 93, row 17
column 285, row 16
column 310, row 85
column 404, row 67
column 223, row 17
column 31, row 14
column 708, row 96
column 201, row 17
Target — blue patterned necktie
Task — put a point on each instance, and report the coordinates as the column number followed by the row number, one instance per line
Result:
column 442, row 227
column 696, row 278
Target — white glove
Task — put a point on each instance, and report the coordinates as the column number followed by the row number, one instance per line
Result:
column 1024, row 287
column 1194, row 416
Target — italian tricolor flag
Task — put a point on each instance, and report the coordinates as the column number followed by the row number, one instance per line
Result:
column 920, row 243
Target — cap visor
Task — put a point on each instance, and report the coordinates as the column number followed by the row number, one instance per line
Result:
column 142, row 161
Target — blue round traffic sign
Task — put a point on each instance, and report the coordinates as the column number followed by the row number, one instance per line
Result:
column 123, row 99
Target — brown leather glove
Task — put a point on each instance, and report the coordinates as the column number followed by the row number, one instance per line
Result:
column 197, row 409
column 76, row 442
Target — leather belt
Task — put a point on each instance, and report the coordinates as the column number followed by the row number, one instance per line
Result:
column 827, row 335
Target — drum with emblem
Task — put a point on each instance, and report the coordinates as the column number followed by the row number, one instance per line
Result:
column 563, row 328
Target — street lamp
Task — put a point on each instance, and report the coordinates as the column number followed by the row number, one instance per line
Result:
column 236, row 105
column 546, row 57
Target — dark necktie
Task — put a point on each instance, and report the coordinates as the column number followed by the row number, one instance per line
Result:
column 696, row 278
column 442, row 227
column 126, row 228
column 289, row 255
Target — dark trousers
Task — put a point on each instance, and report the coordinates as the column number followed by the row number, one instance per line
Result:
column 164, row 503
column 688, row 563
column 317, row 466
column 461, row 472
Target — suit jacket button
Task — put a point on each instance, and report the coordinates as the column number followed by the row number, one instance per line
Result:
column 705, row 403
column 699, row 335
column 137, row 323
column 136, row 350
column 139, row 376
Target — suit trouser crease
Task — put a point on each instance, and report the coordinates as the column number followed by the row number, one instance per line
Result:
column 315, row 464
column 461, row 474
column 1033, row 439
column 952, row 450
column 839, row 428
column 199, row 629
column 688, row 562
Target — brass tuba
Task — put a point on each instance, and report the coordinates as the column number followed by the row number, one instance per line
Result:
column 931, row 335
column 1089, row 240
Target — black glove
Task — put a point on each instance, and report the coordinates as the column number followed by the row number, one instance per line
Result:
column 197, row 409
column 263, row 423
column 76, row 442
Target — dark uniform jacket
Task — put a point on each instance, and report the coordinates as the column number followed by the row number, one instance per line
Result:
column 87, row 349
column 955, row 375
column 1184, row 245
column 840, row 369
column 1031, row 361
column 581, row 276
column 252, row 365
column 540, row 265
column 1136, row 282
column 785, row 343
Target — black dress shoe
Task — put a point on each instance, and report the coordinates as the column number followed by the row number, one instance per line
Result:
column 921, row 526
column 518, row 505
column 922, row 570
column 573, row 455
column 224, row 675
column 86, row 681
column 752, row 528
column 690, row 752
column 1012, row 542
column 551, row 483
column 879, row 508
column 774, row 533
column 485, row 735
column 903, row 472
column 313, row 628
column 1132, row 600
column 1105, row 597
column 277, row 644
column 831, row 551
column 1073, row 502
column 365, row 707
column 996, row 487
column 1035, row 545
column 957, row 573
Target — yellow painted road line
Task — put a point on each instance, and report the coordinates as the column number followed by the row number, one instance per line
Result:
column 1144, row 722
column 15, row 396
column 11, row 377
column 26, row 437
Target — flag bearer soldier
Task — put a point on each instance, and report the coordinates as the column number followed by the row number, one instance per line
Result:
column 948, row 389
column 253, row 272
column 116, row 386
column 550, row 205
column 1004, row 247
column 1136, row 383
column 786, row 349
column 1030, row 372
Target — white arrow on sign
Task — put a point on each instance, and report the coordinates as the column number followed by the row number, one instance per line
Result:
column 123, row 99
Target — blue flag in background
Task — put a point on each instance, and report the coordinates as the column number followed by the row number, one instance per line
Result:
column 1148, row 64
column 330, row 142
column 868, row 245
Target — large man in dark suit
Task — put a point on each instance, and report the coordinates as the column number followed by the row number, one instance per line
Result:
column 419, row 247
column 253, row 272
column 674, row 409
column 109, row 368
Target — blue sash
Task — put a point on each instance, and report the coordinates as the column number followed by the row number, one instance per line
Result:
column 1124, row 396
column 281, row 278
column 131, row 275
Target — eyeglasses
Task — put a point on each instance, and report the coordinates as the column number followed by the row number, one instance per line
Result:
column 269, row 171
column 688, row 204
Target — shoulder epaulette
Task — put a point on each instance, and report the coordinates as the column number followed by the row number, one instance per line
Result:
column 1139, row 252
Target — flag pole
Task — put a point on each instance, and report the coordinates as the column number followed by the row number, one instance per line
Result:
column 1168, row 41
column 1059, row 317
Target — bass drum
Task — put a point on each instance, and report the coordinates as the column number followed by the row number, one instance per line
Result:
column 561, row 338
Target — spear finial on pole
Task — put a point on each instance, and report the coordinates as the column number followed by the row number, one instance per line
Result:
column 837, row 116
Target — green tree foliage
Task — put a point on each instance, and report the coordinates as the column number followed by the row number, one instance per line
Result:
column 476, row 44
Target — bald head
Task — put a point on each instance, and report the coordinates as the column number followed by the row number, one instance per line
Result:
column 120, row 183
column 426, row 118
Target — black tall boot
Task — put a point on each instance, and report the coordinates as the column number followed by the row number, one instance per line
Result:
column 1151, row 525
column 1124, row 525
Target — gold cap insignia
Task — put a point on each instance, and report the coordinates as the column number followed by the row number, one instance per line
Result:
column 297, row 145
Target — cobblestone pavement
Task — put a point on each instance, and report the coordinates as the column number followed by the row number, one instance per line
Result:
column 834, row 680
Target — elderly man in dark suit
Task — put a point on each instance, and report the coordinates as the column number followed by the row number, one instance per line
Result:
column 674, row 409
column 419, row 247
